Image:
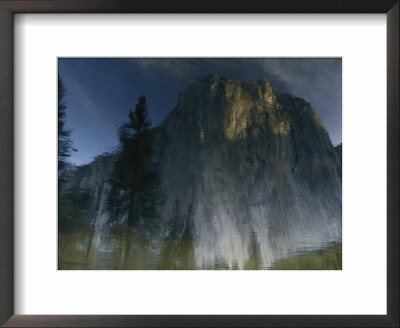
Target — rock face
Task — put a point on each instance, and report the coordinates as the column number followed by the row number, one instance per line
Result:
column 87, row 188
column 246, row 172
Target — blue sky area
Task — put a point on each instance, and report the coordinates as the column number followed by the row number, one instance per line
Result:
column 101, row 91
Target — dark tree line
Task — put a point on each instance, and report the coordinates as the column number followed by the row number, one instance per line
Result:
column 134, row 176
column 64, row 141
column 71, row 204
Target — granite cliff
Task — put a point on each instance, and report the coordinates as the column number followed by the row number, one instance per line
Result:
column 246, row 174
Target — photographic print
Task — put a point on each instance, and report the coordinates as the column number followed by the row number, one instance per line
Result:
column 199, row 163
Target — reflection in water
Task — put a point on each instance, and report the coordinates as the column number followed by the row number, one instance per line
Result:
column 116, row 251
column 99, row 250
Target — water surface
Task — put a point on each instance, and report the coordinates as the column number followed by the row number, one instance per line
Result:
column 123, row 250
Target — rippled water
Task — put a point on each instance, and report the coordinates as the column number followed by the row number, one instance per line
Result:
column 99, row 250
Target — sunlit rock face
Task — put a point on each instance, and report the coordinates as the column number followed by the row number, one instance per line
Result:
column 247, row 175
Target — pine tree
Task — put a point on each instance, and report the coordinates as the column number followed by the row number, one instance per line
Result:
column 64, row 141
column 134, row 175
column 64, row 152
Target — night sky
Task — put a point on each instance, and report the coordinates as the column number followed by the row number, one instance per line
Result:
column 100, row 92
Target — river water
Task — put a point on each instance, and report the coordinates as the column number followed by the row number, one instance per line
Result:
column 100, row 250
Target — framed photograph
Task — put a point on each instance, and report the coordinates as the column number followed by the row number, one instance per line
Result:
column 208, row 164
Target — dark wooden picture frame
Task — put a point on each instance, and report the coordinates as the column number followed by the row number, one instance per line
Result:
column 10, row 7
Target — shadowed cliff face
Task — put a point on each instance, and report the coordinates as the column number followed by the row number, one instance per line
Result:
column 247, row 174
column 245, row 167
